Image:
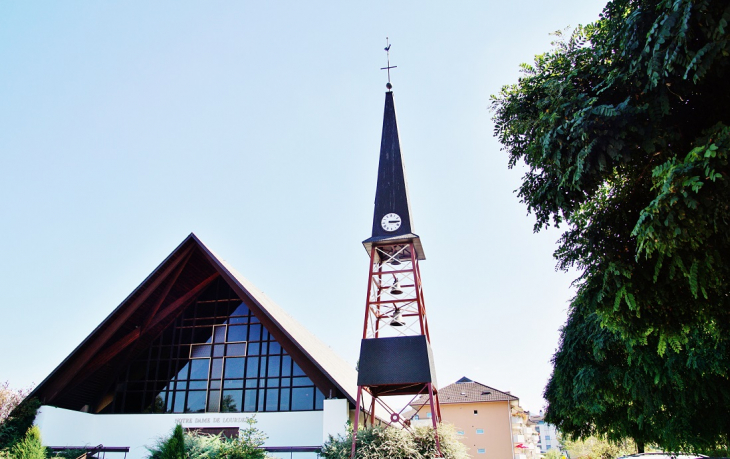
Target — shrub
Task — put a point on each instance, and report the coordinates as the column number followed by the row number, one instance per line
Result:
column 451, row 447
column 30, row 447
column 390, row 443
column 195, row 445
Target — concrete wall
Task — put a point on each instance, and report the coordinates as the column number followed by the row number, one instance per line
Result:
column 60, row 427
column 492, row 417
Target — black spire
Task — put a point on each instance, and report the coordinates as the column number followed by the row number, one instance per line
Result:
column 392, row 216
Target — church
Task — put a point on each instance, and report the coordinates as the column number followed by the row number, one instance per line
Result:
column 197, row 344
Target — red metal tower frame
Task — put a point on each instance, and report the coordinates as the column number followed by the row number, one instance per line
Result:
column 394, row 307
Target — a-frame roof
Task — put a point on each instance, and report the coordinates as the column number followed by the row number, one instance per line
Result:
column 84, row 378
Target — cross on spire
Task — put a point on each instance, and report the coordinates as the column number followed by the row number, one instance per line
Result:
column 387, row 51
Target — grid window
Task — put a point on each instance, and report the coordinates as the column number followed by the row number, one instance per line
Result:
column 215, row 357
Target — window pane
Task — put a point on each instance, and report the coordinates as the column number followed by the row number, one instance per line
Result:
column 301, row 382
column 254, row 332
column 232, row 401
column 198, row 384
column 302, row 398
column 274, row 348
column 183, row 373
column 274, row 364
column 214, row 398
column 260, row 405
column 252, row 383
column 236, row 349
column 233, row 383
column 199, row 350
column 297, row 371
column 216, row 369
column 254, row 348
column 241, row 310
column 286, row 366
column 220, row 334
column 215, row 384
column 249, row 403
column 262, row 367
column 318, row 399
column 237, row 333
column 234, row 368
column 252, row 367
column 179, row 402
column 272, row 382
column 196, row 402
column 199, row 369
column 272, row 399
column 284, row 403
column 219, row 350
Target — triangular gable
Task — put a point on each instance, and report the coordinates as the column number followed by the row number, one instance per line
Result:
column 84, row 377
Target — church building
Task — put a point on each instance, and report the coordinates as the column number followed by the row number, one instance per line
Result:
column 199, row 345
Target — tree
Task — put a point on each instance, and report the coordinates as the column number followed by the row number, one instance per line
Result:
column 17, row 414
column 625, row 131
column 9, row 399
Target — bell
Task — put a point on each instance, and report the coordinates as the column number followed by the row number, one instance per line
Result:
column 397, row 319
column 393, row 261
column 395, row 289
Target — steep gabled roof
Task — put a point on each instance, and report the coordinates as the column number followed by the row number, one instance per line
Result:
column 467, row 391
column 87, row 374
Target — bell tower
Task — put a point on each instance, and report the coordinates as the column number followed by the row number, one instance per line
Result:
column 395, row 351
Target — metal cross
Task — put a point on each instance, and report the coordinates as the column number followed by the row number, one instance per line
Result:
column 387, row 50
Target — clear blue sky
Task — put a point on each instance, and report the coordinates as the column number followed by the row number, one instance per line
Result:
column 124, row 126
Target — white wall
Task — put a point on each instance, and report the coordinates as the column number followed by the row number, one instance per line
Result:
column 60, row 427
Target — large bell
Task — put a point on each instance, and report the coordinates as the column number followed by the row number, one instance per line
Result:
column 395, row 289
column 397, row 319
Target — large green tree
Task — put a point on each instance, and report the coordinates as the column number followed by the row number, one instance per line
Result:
column 625, row 130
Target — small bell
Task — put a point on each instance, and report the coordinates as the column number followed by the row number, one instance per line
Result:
column 395, row 289
column 397, row 319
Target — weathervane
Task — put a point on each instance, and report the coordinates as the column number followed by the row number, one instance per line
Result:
column 387, row 50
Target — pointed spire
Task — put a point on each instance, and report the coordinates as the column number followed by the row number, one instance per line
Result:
column 392, row 216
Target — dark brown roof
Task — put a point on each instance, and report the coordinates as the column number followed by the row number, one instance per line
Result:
column 85, row 376
column 467, row 391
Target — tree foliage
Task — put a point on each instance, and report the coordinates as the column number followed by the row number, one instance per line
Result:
column 624, row 128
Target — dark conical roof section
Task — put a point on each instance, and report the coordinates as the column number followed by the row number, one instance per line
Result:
column 391, row 194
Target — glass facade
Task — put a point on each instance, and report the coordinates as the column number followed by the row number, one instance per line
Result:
column 215, row 357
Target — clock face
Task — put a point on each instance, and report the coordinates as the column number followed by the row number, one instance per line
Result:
column 390, row 222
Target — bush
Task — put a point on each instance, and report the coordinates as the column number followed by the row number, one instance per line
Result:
column 30, row 447
column 202, row 446
column 390, row 443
